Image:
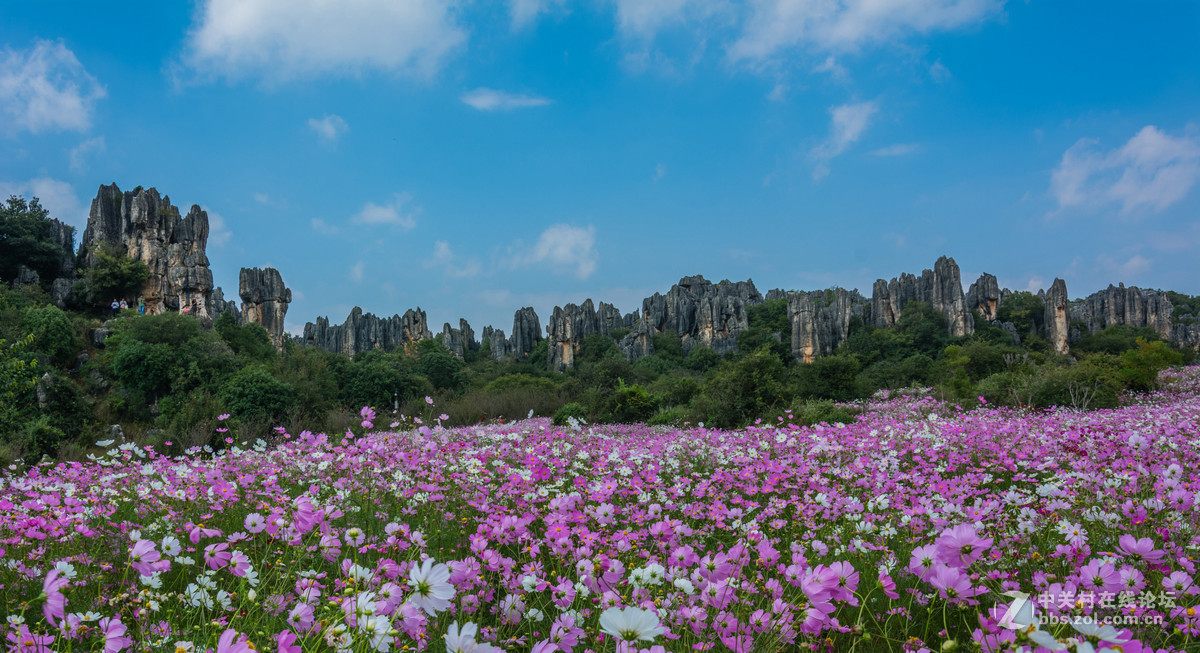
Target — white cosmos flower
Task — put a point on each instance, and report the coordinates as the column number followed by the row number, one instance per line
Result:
column 630, row 624
column 432, row 590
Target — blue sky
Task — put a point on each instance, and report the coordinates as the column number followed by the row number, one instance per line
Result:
column 471, row 158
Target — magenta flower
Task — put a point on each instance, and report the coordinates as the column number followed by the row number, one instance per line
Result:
column 286, row 642
column 227, row 643
column 55, row 605
column 952, row 584
column 145, row 557
column 1142, row 549
column 960, row 546
column 25, row 641
column 217, row 555
column 114, row 635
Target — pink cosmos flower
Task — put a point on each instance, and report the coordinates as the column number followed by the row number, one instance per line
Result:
column 255, row 523
column 1142, row 549
column 286, row 642
column 145, row 557
column 217, row 556
column 227, row 643
column 114, row 635
column 24, row 641
column 56, row 603
column 960, row 546
column 952, row 584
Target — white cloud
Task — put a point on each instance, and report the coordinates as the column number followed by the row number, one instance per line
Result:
column 322, row 227
column 939, row 72
column 899, row 149
column 393, row 213
column 356, row 271
column 262, row 198
column 847, row 124
column 525, row 12
column 1131, row 267
column 56, row 196
column 487, row 99
column 831, row 66
column 218, row 232
column 643, row 18
column 848, row 25
column 287, row 39
column 453, row 265
column 660, row 171
column 566, row 248
column 80, row 153
column 45, row 88
column 330, row 128
column 778, row 93
column 1151, row 172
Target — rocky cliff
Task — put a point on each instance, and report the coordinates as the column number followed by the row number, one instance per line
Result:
column 458, row 341
column 363, row 332
column 1057, row 322
column 985, row 297
column 940, row 287
column 264, row 301
column 526, row 332
column 146, row 227
column 569, row 325
column 1118, row 305
column 821, row 320
column 698, row 311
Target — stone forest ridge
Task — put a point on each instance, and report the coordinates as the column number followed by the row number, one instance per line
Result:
column 146, row 227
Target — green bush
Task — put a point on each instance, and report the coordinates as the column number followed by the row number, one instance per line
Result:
column 815, row 411
column 254, row 394
column 523, row 381
column 52, row 333
column 630, row 404
column 115, row 275
column 674, row 416
column 562, row 415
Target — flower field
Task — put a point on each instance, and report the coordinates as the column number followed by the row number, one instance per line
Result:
column 919, row 527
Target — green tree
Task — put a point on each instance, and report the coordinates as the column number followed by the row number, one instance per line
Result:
column 18, row 376
column 25, row 239
column 1025, row 310
column 254, row 393
column 52, row 333
column 739, row 391
column 115, row 275
column 249, row 341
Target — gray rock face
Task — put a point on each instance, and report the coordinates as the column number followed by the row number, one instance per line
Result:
column 1058, row 315
column 219, row 304
column 458, row 341
column 1118, row 305
column 63, row 235
column 148, row 228
column 264, row 301
column 100, row 334
column 526, row 332
column 569, row 325
column 497, row 343
column 700, row 312
column 365, row 332
column 1186, row 335
column 985, row 296
column 60, row 291
column 940, row 287
column 25, row 276
column 821, row 320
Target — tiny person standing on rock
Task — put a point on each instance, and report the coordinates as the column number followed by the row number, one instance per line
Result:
column 115, row 306
column 141, row 305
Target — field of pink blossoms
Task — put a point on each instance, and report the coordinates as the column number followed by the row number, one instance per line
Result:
column 921, row 527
